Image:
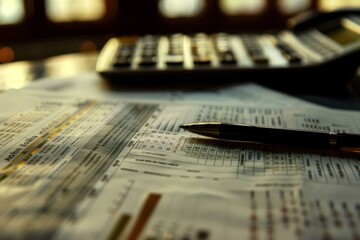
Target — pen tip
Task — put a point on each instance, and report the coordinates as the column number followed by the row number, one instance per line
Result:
column 184, row 126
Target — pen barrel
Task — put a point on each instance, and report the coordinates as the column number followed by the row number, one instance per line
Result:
column 348, row 140
column 278, row 136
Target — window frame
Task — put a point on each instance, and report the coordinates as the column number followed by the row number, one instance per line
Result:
column 36, row 24
column 139, row 17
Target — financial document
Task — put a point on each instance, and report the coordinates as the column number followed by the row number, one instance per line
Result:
column 113, row 167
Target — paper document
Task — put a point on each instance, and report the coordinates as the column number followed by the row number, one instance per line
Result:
column 113, row 168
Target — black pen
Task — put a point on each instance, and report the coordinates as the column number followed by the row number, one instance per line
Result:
column 291, row 137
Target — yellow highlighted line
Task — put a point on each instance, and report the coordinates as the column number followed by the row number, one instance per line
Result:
column 20, row 160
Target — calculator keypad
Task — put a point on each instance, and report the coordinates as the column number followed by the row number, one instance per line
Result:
column 221, row 50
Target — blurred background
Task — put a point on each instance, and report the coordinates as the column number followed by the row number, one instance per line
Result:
column 37, row 29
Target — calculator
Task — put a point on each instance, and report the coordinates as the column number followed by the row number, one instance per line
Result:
column 323, row 49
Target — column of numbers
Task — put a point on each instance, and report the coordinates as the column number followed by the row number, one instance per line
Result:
column 159, row 142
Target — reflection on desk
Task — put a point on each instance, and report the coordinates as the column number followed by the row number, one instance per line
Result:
column 20, row 74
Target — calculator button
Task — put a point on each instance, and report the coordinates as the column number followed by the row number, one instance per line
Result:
column 227, row 58
column 199, row 49
column 289, row 53
column 149, row 50
column 284, row 47
column 124, row 56
column 199, row 60
column 294, row 58
column 122, row 62
column 126, row 51
column 224, row 52
column 148, row 61
column 175, row 55
column 260, row 59
column 174, row 60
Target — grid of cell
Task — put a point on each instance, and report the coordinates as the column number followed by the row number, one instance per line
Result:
column 212, row 152
column 159, row 142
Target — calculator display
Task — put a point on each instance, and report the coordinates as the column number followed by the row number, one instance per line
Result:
column 342, row 35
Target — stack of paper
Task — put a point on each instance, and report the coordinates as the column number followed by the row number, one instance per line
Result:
column 117, row 166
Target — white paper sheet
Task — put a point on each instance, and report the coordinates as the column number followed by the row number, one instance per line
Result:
column 112, row 168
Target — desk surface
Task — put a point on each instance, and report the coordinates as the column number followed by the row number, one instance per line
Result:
column 20, row 74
